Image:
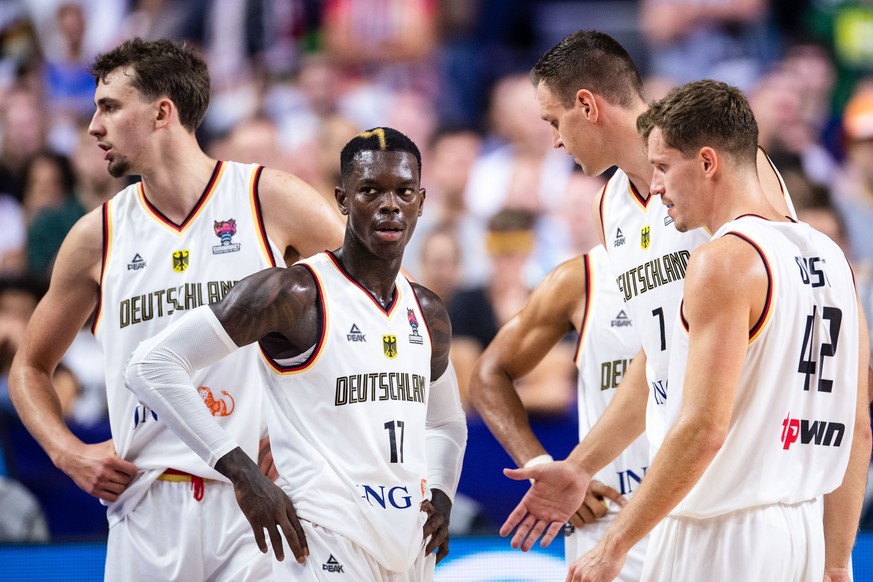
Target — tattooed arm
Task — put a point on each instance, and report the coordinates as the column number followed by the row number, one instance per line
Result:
column 445, row 427
column 273, row 305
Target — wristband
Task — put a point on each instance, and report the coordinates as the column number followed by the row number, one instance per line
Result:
column 540, row 460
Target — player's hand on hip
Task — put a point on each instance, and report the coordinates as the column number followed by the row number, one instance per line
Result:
column 438, row 510
column 558, row 490
column 594, row 507
column 598, row 565
column 265, row 506
column 98, row 470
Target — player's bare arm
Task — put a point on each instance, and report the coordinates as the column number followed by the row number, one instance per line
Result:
column 725, row 291
column 556, row 307
column 70, row 300
column 444, row 415
column 553, row 310
column 842, row 507
column 297, row 218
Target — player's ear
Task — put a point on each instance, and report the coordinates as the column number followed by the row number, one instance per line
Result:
column 422, row 193
column 164, row 109
column 585, row 99
column 709, row 160
column 342, row 201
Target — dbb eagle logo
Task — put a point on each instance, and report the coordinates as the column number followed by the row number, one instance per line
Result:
column 389, row 346
column 645, row 237
column 180, row 261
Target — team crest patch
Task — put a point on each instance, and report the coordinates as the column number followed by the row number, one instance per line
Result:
column 180, row 261
column 414, row 338
column 645, row 237
column 389, row 346
column 224, row 230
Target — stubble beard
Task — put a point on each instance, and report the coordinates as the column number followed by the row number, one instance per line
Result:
column 119, row 167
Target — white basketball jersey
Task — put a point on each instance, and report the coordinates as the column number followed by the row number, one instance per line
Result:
column 348, row 423
column 794, row 409
column 607, row 343
column 648, row 256
column 154, row 271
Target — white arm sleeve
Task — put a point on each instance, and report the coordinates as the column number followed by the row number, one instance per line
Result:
column 445, row 433
column 158, row 372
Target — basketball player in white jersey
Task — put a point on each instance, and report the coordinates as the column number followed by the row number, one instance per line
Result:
column 179, row 238
column 769, row 369
column 579, row 295
column 590, row 92
column 365, row 419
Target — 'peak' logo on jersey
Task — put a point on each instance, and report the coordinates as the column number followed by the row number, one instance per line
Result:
column 621, row 320
column 645, row 237
column 180, row 261
column 414, row 338
column 619, row 238
column 332, row 565
column 355, row 334
column 389, row 346
column 137, row 263
column 668, row 220
column 217, row 406
column 225, row 229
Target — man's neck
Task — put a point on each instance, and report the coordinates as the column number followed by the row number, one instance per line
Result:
column 177, row 182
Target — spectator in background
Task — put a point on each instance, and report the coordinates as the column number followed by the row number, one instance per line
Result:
column 521, row 172
column 478, row 312
column 13, row 233
column 22, row 135
column 728, row 40
column 453, row 151
column 18, row 298
column 785, row 123
column 853, row 190
column 440, row 262
column 389, row 43
column 51, row 207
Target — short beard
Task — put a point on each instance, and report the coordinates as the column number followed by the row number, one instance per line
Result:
column 119, row 167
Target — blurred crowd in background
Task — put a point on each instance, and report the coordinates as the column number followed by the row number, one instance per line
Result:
column 294, row 80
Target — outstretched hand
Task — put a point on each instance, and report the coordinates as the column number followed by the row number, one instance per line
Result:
column 265, row 506
column 557, row 492
column 98, row 470
column 438, row 510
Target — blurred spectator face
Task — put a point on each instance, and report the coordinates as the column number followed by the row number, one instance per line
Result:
column 22, row 126
column 776, row 102
column 515, row 115
column 577, row 210
column 413, row 114
column 441, row 263
column 71, row 22
column 451, row 158
column 44, row 185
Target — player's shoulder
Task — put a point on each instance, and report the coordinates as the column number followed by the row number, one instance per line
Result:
column 293, row 287
column 727, row 260
column 431, row 303
column 564, row 285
